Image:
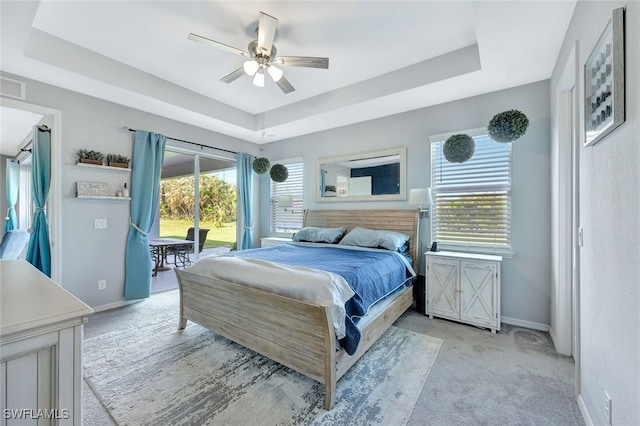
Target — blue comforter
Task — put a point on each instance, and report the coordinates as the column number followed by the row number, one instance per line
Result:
column 372, row 275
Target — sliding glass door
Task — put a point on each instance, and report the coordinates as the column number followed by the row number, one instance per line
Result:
column 192, row 179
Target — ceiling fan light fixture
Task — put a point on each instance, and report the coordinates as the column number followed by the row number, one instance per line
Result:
column 250, row 67
column 261, row 55
column 275, row 73
column 258, row 80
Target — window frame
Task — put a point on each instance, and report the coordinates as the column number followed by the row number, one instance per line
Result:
column 297, row 211
column 503, row 250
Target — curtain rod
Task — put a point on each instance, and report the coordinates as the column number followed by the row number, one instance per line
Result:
column 42, row 128
column 193, row 143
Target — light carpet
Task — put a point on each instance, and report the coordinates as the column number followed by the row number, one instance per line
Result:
column 156, row 375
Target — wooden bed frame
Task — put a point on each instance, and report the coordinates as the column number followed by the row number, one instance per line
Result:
column 296, row 334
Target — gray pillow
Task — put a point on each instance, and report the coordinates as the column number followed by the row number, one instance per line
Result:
column 314, row 234
column 363, row 237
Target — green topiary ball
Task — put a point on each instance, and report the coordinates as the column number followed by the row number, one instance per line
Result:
column 459, row 148
column 261, row 165
column 279, row 173
column 508, row 126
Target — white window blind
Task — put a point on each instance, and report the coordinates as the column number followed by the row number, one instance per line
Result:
column 287, row 220
column 472, row 200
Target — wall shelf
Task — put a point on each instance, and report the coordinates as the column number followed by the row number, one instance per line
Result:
column 101, row 197
column 102, row 167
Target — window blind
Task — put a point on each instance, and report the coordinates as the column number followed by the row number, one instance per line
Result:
column 287, row 221
column 472, row 200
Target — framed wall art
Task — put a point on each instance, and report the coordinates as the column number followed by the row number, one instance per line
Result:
column 604, row 82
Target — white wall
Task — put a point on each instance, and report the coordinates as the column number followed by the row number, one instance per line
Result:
column 525, row 285
column 610, row 215
column 89, row 255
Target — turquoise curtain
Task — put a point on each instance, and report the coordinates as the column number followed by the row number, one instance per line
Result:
column 39, row 251
column 148, row 154
column 13, row 187
column 245, row 188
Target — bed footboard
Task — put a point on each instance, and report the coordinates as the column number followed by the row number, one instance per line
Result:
column 296, row 334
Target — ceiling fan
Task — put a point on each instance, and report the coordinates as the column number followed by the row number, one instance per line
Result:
column 263, row 56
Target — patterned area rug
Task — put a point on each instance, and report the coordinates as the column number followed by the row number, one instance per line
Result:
column 155, row 375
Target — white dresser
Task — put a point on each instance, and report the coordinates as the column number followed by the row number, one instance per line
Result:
column 273, row 241
column 464, row 287
column 40, row 348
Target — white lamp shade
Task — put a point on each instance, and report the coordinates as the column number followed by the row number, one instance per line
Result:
column 258, row 80
column 250, row 67
column 285, row 201
column 419, row 196
column 275, row 73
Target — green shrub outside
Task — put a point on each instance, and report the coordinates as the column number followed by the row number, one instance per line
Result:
column 217, row 200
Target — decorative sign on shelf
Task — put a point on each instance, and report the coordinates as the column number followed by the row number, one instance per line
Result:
column 92, row 189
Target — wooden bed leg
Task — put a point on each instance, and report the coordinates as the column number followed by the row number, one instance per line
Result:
column 330, row 395
column 182, row 324
column 330, row 366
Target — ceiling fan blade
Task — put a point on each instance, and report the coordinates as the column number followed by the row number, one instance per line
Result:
column 284, row 85
column 266, row 33
column 233, row 76
column 303, row 61
column 217, row 44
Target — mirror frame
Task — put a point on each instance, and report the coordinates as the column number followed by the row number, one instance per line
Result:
column 402, row 195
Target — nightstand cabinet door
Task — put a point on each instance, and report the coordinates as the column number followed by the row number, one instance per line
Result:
column 442, row 288
column 478, row 298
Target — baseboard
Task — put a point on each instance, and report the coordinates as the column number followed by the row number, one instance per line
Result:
column 584, row 411
column 526, row 324
column 114, row 305
column 552, row 334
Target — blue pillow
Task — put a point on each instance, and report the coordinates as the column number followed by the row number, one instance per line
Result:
column 363, row 237
column 314, row 234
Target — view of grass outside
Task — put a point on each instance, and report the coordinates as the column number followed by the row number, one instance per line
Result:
column 217, row 209
column 217, row 237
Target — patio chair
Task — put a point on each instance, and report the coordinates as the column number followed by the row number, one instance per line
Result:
column 202, row 236
column 181, row 253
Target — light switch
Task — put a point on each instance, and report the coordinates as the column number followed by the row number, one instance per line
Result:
column 100, row 224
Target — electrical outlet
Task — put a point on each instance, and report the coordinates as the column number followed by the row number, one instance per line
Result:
column 607, row 408
column 100, row 224
column 102, row 285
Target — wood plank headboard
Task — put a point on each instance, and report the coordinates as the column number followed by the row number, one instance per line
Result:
column 405, row 221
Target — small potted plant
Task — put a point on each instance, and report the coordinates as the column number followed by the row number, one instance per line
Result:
column 90, row 157
column 279, row 173
column 459, row 148
column 117, row 160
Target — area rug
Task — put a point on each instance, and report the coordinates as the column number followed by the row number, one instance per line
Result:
column 155, row 375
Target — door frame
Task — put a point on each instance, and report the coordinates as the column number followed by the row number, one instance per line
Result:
column 565, row 324
column 54, row 200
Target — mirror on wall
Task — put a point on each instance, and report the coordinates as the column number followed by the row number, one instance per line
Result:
column 364, row 176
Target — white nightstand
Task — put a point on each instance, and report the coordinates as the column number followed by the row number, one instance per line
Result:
column 273, row 241
column 464, row 287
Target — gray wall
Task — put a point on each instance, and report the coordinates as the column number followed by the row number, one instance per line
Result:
column 89, row 255
column 609, row 211
column 525, row 278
